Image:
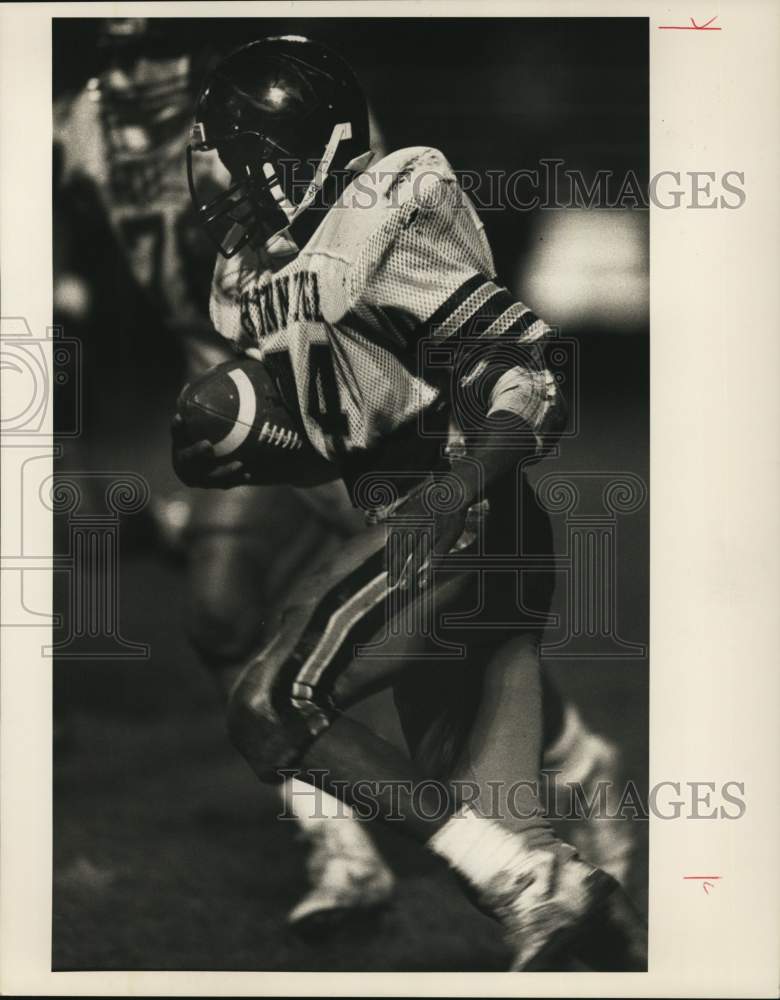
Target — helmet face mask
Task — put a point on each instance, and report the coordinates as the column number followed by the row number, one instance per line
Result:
column 278, row 117
column 233, row 196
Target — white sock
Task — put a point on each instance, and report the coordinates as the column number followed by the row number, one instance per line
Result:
column 311, row 806
column 479, row 848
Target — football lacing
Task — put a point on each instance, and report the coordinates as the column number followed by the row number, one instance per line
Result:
column 280, row 436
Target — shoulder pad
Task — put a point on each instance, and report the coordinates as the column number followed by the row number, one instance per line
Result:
column 378, row 195
column 400, row 176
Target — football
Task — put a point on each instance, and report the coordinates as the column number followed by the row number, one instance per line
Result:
column 238, row 407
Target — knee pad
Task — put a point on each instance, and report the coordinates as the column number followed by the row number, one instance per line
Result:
column 273, row 722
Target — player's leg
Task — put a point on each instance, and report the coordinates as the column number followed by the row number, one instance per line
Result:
column 480, row 726
column 281, row 713
column 482, row 722
column 288, row 706
column 285, row 711
column 490, row 711
column 468, row 722
column 501, row 740
column 572, row 756
column 245, row 548
column 347, row 875
column 437, row 708
column 502, row 867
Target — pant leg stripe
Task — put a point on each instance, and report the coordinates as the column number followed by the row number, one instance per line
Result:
column 341, row 621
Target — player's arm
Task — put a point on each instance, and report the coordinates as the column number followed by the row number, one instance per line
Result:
column 500, row 391
column 504, row 399
column 523, row 408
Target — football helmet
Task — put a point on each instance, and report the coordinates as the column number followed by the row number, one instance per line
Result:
column 289, row 123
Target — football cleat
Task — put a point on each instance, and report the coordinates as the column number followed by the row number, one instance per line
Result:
column 583, row 759
column 614, row 938
column 348, row 877
column 552, row 904
column 547, row 904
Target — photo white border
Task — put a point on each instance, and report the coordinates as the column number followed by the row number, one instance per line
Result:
column 715, row 362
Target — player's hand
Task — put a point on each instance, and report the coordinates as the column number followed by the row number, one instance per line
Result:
column 196, row 464
column 417, row 531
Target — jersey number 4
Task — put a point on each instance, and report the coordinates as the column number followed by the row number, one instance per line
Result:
column 323, row 403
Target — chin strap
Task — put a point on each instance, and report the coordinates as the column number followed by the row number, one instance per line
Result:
column 341, row 133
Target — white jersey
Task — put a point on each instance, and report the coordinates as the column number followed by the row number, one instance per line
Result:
column 400, row 257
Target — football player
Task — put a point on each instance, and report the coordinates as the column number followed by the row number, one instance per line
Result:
column 369, row 291
column 119, row 143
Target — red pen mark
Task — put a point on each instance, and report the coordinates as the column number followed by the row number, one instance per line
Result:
column 708, row 881
column 693, row 26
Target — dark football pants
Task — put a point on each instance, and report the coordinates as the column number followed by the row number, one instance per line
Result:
column 344, row 635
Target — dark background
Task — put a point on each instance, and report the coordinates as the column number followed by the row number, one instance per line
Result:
column 167, row 853
column 492, row 93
